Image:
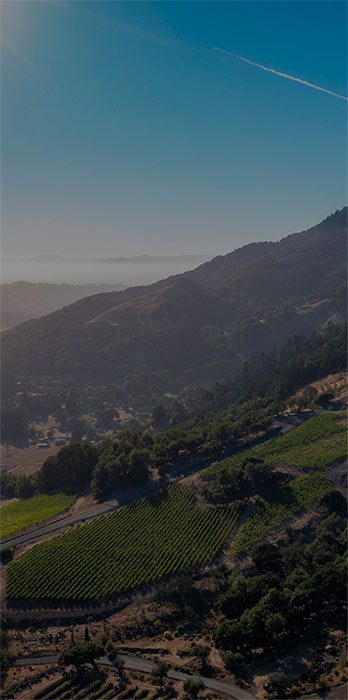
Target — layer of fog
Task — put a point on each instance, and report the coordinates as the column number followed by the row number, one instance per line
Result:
column 127, row 271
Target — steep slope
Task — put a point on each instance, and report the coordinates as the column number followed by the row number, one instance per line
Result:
column 174, row 302
column 198, row 322
column 307, row 264
column 108, row 335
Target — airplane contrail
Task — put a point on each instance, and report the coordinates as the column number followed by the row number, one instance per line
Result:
column 282, row 75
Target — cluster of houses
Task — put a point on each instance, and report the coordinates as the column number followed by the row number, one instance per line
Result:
column 58, row 441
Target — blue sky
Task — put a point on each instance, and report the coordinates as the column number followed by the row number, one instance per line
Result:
column 124, row 132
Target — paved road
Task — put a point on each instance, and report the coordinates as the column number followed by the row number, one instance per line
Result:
column 129, row 496
column 135, row 663
column 125, row 498
column 58, row 524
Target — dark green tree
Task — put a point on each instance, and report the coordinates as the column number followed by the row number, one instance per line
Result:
column 24, row 487
column 159, row 417
column 277, row 682
column 81, row 653
column 159, row 672
column 118, row 664
column 193, row 686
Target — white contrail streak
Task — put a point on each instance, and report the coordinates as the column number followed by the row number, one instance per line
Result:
column 282, row 75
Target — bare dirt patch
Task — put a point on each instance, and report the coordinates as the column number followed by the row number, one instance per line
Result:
column 24, row 460
column 337, row 383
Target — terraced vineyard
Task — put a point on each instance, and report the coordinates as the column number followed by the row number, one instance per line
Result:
column 87, row 689
column 121, row 551
column 275, row 509
column 315, row 444
column 92, row 687
column 19, row 515
column 312, row 446
column 86, row 685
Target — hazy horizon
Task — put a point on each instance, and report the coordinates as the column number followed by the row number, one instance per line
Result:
column 120, row 270
column 97, row 271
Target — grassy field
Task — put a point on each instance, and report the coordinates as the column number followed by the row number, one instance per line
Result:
column 124, row 550
column 19, row 515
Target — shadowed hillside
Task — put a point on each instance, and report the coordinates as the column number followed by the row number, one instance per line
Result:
column 21, row 301
column 202, row 322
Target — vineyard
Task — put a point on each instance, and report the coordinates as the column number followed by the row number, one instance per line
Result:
column 122, row 551
column 19, row 515
column 316, row 444
column 86, row 688
column 83, row 686
column 272, row 511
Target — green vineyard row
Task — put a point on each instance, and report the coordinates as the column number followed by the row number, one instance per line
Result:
column 122, row 551
column 19, row 515
column 272, row 511
column 315, row 444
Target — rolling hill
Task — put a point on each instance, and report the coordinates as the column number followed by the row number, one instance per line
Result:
column 21, row 301
column 195, row 325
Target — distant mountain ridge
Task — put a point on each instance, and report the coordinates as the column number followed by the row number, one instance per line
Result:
column 197, row 324
column 112, row 258
column 21, row 301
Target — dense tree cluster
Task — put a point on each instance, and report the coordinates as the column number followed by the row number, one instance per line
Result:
column 71, row 467
column 250, row 476
column 218, row 418
column 276, row 375
column 12, row 423
column 123, row 462
column 79, row 653
column 287, row 588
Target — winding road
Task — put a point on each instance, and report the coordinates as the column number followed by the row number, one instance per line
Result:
column 135, row 663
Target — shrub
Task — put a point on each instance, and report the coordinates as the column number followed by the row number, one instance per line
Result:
column 233, row 660
column 277, row 682
column 193, row 686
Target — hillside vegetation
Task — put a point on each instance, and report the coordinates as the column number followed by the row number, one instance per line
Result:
column 194, row 326
column 312, row 446
column 170, row 533
column 277, row 507
column 213, row 420
column 317, row 443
